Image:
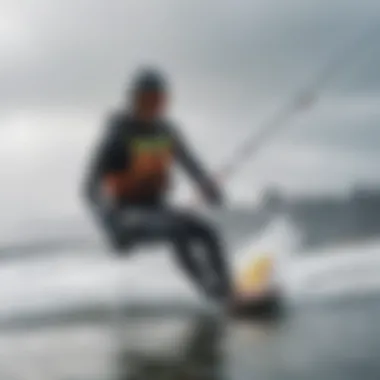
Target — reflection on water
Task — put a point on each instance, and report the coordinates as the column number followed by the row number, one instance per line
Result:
column 198, row 357
column 337, row 341
column 137, row 348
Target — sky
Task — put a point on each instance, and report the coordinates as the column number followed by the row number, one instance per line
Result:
column 232, row 63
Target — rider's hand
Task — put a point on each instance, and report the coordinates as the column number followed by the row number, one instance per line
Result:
column 213, row 195
column 209, row 196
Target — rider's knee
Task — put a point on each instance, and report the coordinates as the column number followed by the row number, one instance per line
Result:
column 204, row 229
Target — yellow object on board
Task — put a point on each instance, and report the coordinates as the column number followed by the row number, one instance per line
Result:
column 256, row 275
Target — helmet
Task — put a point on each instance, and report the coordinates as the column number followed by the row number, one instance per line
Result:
column 148, row 79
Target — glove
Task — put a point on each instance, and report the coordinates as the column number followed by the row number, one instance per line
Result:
column 213, row 194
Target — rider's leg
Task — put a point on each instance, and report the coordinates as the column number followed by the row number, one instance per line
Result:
column 204, row 256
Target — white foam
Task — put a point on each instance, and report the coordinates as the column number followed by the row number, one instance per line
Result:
column 153, row 275
column 338, row 270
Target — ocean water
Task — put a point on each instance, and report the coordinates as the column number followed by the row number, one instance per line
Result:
column 100, row 318
column 320, row 341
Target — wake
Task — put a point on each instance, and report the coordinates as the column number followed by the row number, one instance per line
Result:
column 350, row 269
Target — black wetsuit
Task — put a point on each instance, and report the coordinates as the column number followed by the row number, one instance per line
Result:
column 140, row 211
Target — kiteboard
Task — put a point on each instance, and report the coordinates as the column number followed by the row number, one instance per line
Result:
column 256, row 292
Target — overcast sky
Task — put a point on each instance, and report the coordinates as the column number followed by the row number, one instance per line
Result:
column 65, row 63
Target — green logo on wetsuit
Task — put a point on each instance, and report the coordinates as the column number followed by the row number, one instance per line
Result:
column 152, row 145
column 151, row 155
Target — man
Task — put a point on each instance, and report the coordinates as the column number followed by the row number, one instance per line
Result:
column 128, row 181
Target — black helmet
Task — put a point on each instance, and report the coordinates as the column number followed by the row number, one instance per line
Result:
column 148, row 79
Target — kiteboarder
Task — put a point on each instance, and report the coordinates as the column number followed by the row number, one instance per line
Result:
column 128, row 181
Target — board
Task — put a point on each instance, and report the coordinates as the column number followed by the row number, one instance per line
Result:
column 256, row 294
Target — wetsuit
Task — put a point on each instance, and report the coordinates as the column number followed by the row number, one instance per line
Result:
column 134, row 160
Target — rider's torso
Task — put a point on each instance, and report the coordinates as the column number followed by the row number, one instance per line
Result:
column 142, row 156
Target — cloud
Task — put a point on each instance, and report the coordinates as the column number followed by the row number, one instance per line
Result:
column 81, row 52
column 232, row 64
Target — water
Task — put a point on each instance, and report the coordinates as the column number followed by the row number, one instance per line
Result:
column 320, row 341
column 104, row 319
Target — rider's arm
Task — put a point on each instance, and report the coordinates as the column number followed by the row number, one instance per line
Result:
column 102, row 162
column 104, row 166
column 187, row 159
